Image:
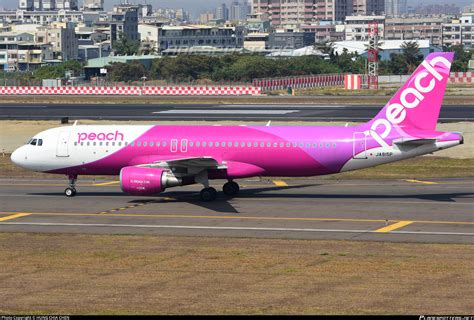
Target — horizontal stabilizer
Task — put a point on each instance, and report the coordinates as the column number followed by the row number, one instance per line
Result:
column 416, row 142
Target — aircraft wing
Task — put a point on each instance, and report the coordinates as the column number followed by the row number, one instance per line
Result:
column 189, row 163
column 414, row 142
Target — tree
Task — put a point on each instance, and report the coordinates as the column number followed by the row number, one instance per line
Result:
column 126, row 71
column 461, row 57
column 124, row 46
column 411, row 54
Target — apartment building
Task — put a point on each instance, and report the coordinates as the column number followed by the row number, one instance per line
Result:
column 419, row 28
column 357, row 27
column 459, row 31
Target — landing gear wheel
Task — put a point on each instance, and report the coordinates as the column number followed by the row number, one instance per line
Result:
column 70, row 192
column 231, row 188
column 208, row 194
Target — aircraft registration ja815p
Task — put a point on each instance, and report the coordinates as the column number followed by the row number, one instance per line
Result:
column 152, row 158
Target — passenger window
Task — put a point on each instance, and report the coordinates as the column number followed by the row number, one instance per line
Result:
column 262, row 144
column 242, row 144
column 223, row 144
column 295, row 144
column 301, row 145
column 249, row 144
column 107, row 143
column 282, row 144
column 217, row 144
column 164, row 143
column 158, row 143
column 327, row 145
column 144, row 143
column 191, row 144
column 334, row 145
column 88, row 143
column 288, row 144
column 132, row 144
column 139, row 144
column 75, row 143
column 126, row 143
column 94, row 143
column 100, row 143
column 119, row 143
column 82, row 143
column 152, row 143
column 269, row 144
column 308, row 146
column 198, row 144
column 211, row 144
column 204, row 144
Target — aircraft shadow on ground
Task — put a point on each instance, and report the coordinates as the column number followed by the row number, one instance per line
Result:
column 223, row 203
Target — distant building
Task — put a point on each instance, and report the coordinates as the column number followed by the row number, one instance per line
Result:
column 459, row 31
column 395, row 8
column 326, row 32
column 419, row 28
column 200, row 35
column 206, row 17
column 368, row 7
column 222, row 12
column 388, row 47
column 290, row 40
column 94, row 5
column 30, row 5
column 239, row 11
column 356, row 27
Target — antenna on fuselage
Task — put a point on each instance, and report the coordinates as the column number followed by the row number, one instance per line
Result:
column 75, row 123
column 269, row 123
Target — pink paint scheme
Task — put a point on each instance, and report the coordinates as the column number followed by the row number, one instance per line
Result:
column 141, row 181
column 404, row 128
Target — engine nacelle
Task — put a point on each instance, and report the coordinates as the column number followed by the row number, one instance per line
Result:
column 140, row 181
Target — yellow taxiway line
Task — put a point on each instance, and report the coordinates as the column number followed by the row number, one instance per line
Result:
column 18, row 215
column 280, row 183
column 105, row 183
column 422, row 182
column 398, row 225
column 175, row 216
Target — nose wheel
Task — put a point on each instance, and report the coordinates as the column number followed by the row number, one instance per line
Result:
column 71, row 190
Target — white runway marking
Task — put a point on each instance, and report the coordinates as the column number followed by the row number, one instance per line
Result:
column 101, row 225
column 191, row 111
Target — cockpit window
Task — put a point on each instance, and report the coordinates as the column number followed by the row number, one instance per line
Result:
column 33, row 142
column 40, row 142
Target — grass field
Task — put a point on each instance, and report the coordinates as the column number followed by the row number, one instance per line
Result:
column 62, row 274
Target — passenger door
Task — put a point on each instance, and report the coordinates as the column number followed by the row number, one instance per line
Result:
column 62, row 147
column 359, row 146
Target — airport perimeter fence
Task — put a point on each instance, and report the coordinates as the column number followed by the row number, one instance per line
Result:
column 299, row 82
column 133, row 91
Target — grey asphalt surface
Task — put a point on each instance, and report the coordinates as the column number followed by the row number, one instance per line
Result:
column 438, row 211
column 208, row 112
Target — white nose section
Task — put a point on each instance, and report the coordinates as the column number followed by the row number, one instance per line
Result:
column 17, row 157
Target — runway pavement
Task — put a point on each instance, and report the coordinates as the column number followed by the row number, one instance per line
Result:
column 257, row 112
column 382, row 210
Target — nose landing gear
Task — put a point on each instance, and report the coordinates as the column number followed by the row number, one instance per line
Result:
column 71, row 190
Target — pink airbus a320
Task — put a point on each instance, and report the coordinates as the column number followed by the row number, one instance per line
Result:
column 152, row 158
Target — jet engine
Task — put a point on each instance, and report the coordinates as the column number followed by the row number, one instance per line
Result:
column 142, row 181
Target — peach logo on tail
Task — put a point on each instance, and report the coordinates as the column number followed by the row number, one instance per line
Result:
column 92, row 136
column 409, row 98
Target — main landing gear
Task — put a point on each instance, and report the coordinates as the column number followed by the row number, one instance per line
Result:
column 231, row 188
column 71, row 190
column 207, row 194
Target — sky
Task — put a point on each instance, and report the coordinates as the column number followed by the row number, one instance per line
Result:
column 197, row 6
